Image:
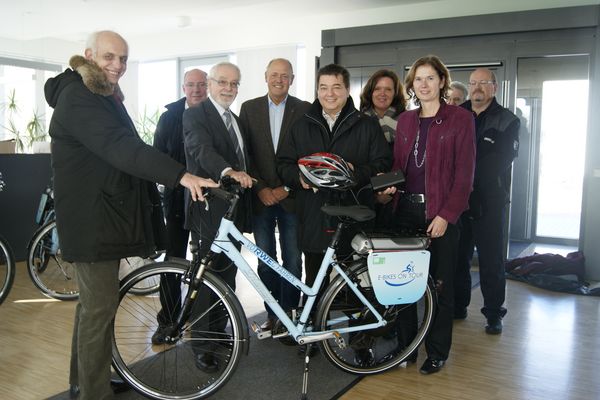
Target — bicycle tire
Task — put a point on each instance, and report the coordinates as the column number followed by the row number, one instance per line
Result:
column 7, row 269
column 52, row 275
column 375, row 350
column 168, row 371
column 130, row 264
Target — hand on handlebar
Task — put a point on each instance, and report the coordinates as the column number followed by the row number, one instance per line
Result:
column 245, row 180
column 195, row 184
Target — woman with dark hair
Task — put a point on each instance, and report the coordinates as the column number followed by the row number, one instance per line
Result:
column 383, row 97
column 435, row 148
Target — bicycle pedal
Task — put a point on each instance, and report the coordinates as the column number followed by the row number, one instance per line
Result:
column 339, row 340
column 260, row 334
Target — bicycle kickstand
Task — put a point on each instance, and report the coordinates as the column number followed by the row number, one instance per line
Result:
column 304, row 395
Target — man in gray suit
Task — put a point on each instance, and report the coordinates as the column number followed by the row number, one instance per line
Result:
column 266, row 121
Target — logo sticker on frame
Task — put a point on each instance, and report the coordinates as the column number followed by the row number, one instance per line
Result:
column 399, row 277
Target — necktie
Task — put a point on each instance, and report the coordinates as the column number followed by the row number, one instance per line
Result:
column 234, row 139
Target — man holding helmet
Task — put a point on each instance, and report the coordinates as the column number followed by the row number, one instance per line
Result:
column 333, row 125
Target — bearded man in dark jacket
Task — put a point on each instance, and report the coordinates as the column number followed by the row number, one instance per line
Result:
column 333, row 125
column 107, row 206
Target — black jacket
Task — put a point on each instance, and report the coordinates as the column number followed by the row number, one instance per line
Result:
column 356, row 138
column 209, row 150
column 497, row 137
column 168, row 138
column 107, row 206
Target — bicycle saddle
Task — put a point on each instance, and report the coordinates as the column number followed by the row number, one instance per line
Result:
column 357, row 213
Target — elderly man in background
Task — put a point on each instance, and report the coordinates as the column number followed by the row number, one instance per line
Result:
column 168, row 138
column 482, row 226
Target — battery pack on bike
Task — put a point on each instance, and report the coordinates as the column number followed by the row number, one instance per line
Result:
column 398, row 266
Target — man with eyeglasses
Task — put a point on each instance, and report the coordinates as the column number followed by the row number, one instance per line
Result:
column 168, row 138
column 482, row 226
column 266, row 121
column 214, row 144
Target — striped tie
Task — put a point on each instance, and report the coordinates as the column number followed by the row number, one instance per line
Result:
column 234, row 139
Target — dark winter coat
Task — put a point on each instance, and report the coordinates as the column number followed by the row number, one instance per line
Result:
column 107, row 206
column 168, row 138
column 356, row 138
column 497, row 137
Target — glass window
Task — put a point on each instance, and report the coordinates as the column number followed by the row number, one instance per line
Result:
column 23, row 111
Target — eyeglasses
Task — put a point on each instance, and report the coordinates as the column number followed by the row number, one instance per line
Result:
column 482, row 83
column 196, row 85
column 223, row 83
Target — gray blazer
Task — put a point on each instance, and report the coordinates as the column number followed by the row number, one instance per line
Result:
column 254, row 116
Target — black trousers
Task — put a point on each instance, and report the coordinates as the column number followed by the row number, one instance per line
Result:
column 487, row 234
column 212, row 325
column 410, row 218
column 170, row 291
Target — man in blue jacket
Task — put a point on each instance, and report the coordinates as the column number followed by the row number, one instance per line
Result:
column 106, row 202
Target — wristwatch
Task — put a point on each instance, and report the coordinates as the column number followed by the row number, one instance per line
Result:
column 287, row 188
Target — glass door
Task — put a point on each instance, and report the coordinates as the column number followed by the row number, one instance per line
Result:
column 552, row 102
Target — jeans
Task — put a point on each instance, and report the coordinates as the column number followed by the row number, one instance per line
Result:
column 264, row 234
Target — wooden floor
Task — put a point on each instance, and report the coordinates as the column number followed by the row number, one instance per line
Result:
column 550, row 350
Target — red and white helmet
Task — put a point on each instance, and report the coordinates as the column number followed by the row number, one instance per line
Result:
column 326, row 171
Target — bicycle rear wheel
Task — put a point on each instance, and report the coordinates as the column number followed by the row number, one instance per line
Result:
column 168, row 371
column 51, row 274
column 130, row 264
column 374, row 350
column 7, row 269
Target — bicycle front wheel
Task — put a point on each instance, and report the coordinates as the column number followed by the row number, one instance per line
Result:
column 7, row 269
column 51, row 274
column 375, row 350
column 169, row 371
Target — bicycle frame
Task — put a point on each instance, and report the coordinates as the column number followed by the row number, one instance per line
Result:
column 222, row 244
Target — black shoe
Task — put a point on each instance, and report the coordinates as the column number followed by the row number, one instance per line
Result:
column 207, row 362
column 161, row 333
column 431, row 366
column 494, row 326
column 119, row 386
column 73, row 391
column 460, row 313
column 314, row 350
column 364, row 357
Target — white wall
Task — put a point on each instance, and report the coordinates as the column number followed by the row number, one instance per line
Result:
column 260, row 32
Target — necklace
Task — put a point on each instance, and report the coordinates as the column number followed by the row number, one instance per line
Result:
column 416, row 151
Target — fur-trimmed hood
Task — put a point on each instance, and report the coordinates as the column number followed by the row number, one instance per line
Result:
column 82, row 70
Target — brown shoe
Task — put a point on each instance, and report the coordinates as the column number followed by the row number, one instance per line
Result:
column 267, row 325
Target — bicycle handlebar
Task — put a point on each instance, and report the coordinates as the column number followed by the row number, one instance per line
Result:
column 228, row 190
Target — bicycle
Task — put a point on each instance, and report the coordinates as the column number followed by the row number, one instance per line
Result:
column 56, row 277
column 354, row 331
column 7, row 262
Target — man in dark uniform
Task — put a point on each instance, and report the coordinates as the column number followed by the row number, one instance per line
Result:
column 482, row 226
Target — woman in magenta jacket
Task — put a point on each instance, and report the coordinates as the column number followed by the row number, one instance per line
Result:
column 435, row 148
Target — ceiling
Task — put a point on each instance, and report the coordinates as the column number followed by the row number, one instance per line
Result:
column 72, row 20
